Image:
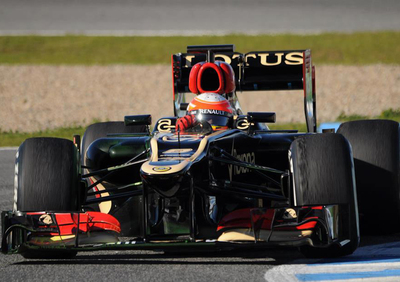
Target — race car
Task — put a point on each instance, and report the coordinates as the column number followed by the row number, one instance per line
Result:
column 237, row 185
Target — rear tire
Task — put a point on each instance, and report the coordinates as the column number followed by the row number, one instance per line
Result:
column 323, row 174
column 376, row 151
column 47, row 179
column 101, row 129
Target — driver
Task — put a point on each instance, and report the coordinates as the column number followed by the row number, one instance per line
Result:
column 210, row 107
column 211, row 81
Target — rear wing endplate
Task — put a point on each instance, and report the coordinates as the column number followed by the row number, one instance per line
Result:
column 254, row 71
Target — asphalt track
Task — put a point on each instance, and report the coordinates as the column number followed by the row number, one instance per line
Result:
column 187, row 17
column 378, row 259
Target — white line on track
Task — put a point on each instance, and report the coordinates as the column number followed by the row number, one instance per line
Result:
column 370, row 263
column 8, row 148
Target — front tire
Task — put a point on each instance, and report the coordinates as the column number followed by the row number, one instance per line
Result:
column 47, row 179
column 323, row 175
column 46, row 175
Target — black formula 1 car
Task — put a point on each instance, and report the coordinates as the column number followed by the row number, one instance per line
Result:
column 246, row 187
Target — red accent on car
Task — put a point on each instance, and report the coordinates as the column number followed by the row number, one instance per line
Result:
column 229, row 76
column 242, row 219
column 185, row 122
column 313, row 207
column 173, row 77
column 217, row 77
column 209, row 76
column 88, row 221
column 94, row 188
column 193, row 78
column 306, row 226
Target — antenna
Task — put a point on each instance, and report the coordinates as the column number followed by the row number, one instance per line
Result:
column 210, row 56
column 179, row 139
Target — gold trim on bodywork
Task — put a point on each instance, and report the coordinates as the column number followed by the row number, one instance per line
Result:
column 161, row 168
column 148, row 167
column 105, row 207
column 200, row 150
column 154, row 150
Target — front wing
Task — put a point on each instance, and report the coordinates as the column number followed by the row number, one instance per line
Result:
column 49, row 232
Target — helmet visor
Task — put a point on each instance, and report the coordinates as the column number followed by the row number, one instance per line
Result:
column 214, row 119
column 217, row 121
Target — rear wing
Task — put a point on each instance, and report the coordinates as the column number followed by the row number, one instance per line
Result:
column 254, row 71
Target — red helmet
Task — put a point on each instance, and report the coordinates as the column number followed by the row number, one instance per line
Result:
column 217, row 77
column 213, row 108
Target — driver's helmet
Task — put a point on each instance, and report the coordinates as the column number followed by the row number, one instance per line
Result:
column 213, row 108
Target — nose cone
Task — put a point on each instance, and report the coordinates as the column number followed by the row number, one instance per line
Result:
column 167, row 178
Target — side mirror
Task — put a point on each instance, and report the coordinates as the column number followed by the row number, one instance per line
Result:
column 261, row 117
column 137, row 120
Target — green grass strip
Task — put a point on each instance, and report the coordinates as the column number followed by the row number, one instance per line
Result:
column 301, row 127
column 392, row 114
column 8, row 139
column 329, row 48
